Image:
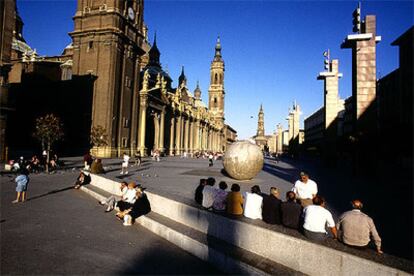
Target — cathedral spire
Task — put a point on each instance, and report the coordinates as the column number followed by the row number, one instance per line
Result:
column 154, row 53
column 217, row 56
column 182, row 78
column 260, row 123
column 197, row 92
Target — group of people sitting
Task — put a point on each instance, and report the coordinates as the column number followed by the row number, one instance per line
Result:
column 303, row 210
column 132, row 203
column 35, row 164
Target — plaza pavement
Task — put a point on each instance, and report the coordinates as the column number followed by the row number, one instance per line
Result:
column 177, row 178
column 60, row 230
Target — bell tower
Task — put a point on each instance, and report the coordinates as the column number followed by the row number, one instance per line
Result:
column 216, row 89
column 107, row 43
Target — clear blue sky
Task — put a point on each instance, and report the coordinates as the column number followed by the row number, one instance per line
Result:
column 272, row 49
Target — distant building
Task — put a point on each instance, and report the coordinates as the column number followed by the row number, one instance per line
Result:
column 111, row 77
column 260, row 137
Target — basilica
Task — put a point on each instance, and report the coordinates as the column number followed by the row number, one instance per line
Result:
column 110, row 77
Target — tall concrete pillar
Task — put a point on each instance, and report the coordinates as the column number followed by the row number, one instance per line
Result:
column 172, row 136
column 364, row 75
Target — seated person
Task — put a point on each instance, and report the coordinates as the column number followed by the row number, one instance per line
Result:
column 208, row 193
column 220, row 196
column 113, row 199
column 199, row 191
column 271, row 207
column 291, row 211
column 141, row 207
column 97, row 167
column 234, row 201
column 316, row 218
column 357, row 228
column 253, row 203
column 129, row 199
column 83, row 179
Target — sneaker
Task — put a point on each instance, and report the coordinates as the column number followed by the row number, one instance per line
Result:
column 126, row 172
column 127, row 224
column 15, row 201
column 122, row 173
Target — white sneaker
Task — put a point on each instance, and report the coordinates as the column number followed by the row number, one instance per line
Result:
column 126, row 172
column 121, row 173
column 127, row 224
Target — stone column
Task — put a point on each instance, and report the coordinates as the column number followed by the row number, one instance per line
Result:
column 191, row 147
column 172, row 136
column 156, row 131
column 162, row 125
column 178, row 136
column 197, row 135
column 186, row 134
column 142, row 124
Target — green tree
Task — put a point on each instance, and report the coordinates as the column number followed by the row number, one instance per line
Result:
column 48, row 130
column 98, row 137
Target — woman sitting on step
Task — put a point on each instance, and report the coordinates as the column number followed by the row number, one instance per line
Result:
column 140, row 207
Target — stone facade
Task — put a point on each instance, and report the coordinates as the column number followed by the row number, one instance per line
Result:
column 133, row 98
column 108, row 42
column 7, row 19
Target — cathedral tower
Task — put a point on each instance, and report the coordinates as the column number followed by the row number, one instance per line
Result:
column 216, row 89
column 107, row 43
column 260, row 138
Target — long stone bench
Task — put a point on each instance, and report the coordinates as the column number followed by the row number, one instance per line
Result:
column 295, row 253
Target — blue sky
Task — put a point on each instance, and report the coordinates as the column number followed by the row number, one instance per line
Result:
column 272, row 49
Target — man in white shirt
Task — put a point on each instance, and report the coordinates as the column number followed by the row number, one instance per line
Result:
column 305, row 189
column 316, row 218
column 125, row 162
column 253, row 203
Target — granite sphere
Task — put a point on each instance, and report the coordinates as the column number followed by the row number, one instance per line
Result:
column 243, row 160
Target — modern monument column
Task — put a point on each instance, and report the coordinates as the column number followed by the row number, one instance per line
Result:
column 364, row 77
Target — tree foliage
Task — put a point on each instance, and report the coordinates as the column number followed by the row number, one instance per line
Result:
column 98, row 137
column 48, row 129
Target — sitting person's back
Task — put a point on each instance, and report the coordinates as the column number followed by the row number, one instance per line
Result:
column 208, row 193
column 220, row 196
column 291, row 211
column 253, row 203
column 97, row 167
column 271, row 207
column 234, row 201
column 198, row 197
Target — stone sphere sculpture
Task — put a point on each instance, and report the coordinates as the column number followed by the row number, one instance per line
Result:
column 243, row 160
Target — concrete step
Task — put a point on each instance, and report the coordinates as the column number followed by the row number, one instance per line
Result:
column 288, row 248
column 225, row 256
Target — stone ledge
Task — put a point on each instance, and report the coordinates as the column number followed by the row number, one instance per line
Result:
column 290, row 251
column 226, row 257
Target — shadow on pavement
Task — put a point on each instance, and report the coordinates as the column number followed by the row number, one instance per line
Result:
column 50, row 193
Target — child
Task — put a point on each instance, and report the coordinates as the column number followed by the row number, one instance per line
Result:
column 21, row 180
column 124, row 169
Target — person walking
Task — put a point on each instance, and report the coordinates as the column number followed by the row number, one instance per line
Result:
column 22, row 180
column 357, row 228
column 124, row 168
column 138, row 159
column 210, row 159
